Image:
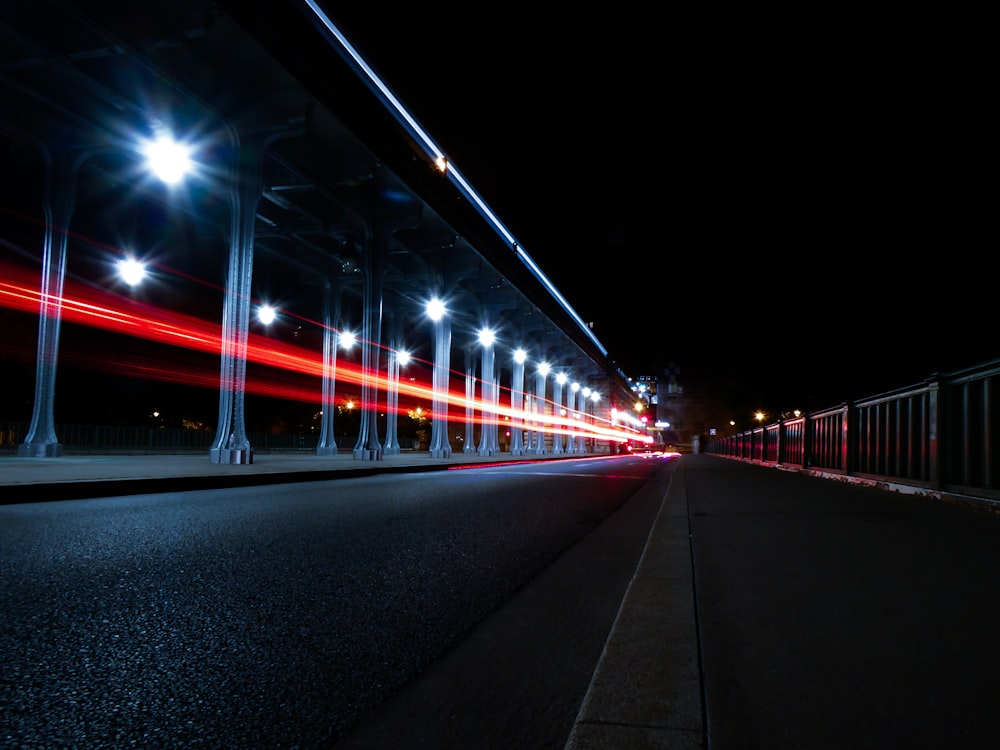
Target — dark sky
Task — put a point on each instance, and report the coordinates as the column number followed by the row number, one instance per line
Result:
column 787, row 207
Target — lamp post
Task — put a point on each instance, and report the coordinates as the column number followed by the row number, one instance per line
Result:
column 540, row 373
column 64, row 163
column 488, row 443
column 517, row 403
column 573, row 441
column 440, row 446
column 327, row 443
column 396, row 360
column 595, row 399
column 557, row 397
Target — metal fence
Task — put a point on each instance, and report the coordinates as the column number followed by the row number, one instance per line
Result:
column 137, row 440
column 937, row 435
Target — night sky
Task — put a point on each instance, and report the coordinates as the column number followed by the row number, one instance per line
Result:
column 789, row 211
column 786, row 209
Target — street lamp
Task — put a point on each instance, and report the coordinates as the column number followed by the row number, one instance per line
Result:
column 517, row 402
column 397, row 359
column 488, row 441
column 131, row 270
column 540, row 373
column 557, row 397
column 266, row 314
column 168, row 159
column 572, row 444
column 440, row 447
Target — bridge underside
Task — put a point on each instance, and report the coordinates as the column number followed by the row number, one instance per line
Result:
column 308, row 193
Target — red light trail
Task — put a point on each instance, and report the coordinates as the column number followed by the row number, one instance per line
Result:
column 96, row 308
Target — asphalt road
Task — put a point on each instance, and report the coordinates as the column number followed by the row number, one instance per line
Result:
column 287, row 615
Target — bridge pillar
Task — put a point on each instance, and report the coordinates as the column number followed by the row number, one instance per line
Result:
column 572, row 440
column 392, row 388
column 440, row 446
column 62, row 170
column 488, row 443
column 469, row 445
column 557, row 397
column 517, row 404
column 368, row 446
column 327, row 443
column 539, row 448
column 231, row 444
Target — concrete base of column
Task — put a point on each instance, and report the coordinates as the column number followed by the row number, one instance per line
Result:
column 39, row 450
column 230, row 456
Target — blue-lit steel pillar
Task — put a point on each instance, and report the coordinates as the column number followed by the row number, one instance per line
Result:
column 332, row 290
column 58, row 203
column 488, row 440
column 231, row 444
column 368, row 446
column 557, row 397
column 440, row 446
column 517, row 404
column 539, row 448
column 572, row 441
column 582, row 409
column 470, row 401
column 392, row 388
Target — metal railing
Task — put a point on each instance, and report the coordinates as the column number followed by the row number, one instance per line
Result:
column 112, row 439
column 938, row 435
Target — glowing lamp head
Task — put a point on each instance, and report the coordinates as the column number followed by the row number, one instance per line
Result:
column 169, row 160
column 347, row 339
column 520, row 356
column 266, row 314
column 131, row 270
column 435, row 309
column 486, row 337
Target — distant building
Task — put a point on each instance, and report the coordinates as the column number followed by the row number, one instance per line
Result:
column 675, row 415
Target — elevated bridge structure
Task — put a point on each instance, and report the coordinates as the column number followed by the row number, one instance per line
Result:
column 311, row 189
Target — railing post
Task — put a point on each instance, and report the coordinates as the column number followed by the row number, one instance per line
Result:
column 849, row 439
column 807, row 440
column 779, row 436
column 934, row 431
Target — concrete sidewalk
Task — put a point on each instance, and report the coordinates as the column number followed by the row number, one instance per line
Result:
column 77, row 476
